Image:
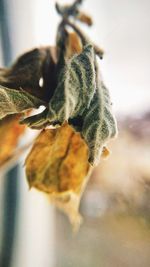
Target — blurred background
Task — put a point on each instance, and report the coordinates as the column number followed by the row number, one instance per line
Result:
column 116, row 204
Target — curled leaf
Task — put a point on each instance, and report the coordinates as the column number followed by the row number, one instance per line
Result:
column 99, row 123
column 58, row 165
column 84, row 18
column 28, row 70
column 16, row 101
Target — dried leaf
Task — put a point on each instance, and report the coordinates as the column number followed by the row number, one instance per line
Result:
column 16, row 101
column 27, row 71
column 99, row 123
column 84, row 18
column 10, row 131
column 58, row 165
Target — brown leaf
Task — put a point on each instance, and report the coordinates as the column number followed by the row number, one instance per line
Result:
column 58, row 165
column 27, row 71
column 10, row 131
column 84, row 18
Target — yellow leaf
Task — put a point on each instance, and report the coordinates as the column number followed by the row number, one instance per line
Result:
column 58, row 165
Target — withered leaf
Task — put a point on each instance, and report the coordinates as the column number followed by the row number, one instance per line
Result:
column 14, row 101
column 84, row 18
column 10, row 131
column 58, row 165
column 27, row 71
column 99, row 124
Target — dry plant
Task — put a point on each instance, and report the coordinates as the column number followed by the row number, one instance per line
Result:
column 77, row 120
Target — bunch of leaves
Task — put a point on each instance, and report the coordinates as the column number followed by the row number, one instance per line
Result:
column 65, row 80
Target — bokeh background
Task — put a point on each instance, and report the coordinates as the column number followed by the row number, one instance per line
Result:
column 116, row 204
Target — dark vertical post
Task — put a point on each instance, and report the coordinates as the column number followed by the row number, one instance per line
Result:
column 11, row 181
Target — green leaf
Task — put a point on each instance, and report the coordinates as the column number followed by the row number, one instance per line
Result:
column 16, row 101
column 99, row 123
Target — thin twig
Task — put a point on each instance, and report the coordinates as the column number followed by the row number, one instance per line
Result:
column 85, row 40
